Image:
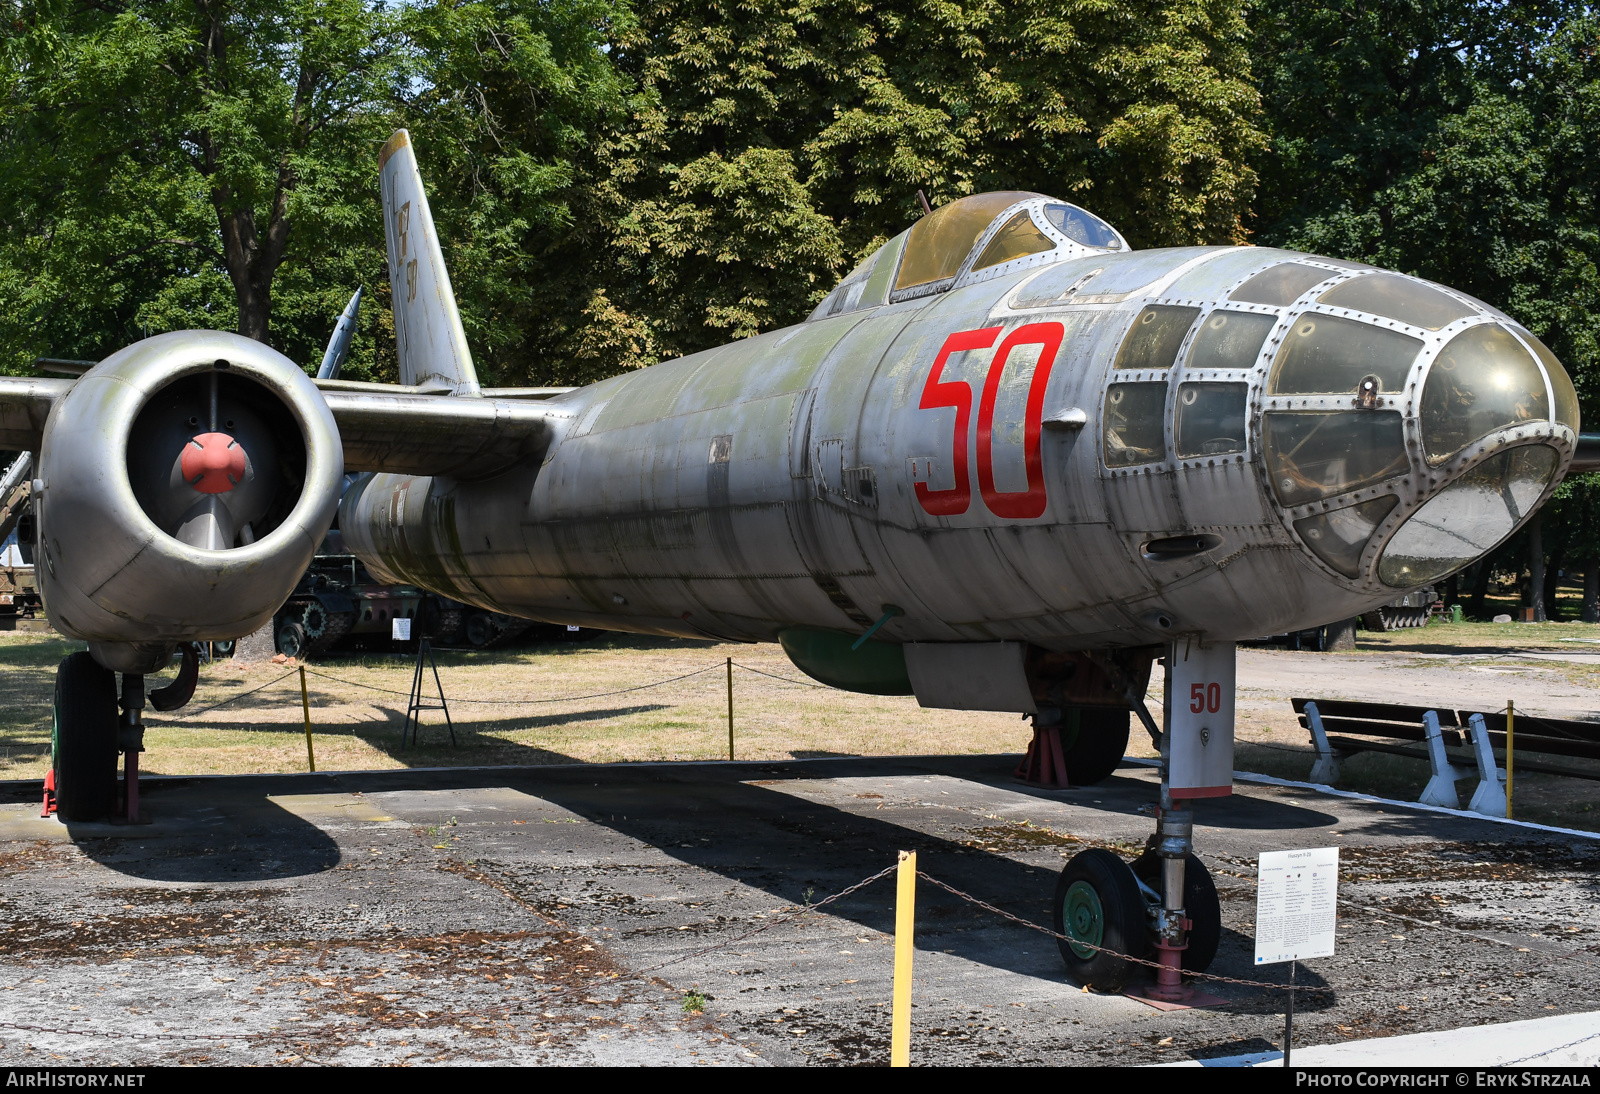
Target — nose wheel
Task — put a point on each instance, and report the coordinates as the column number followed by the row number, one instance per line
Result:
column 1098, row 903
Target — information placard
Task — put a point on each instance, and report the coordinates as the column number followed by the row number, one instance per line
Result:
column 1296, row 904
column 400, row 630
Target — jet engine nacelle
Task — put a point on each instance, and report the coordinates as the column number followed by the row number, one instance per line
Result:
column 183, row 486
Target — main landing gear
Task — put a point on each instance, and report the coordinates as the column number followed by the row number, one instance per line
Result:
column 1163, row 906
column 89, row 732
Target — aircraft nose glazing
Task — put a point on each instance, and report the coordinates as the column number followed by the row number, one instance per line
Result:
column 1406, row 431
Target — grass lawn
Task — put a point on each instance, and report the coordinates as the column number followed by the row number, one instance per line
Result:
column 606, row 701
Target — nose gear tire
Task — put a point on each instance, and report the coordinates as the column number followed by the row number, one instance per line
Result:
column 1200, row 904
column 1099, row 902
column 86, row 719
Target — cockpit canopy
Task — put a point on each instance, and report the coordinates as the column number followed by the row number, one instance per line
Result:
column 974, row 239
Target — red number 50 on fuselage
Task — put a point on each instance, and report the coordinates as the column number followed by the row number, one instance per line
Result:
column 937, row 393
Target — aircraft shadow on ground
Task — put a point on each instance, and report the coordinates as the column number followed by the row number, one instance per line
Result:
column 733, row 821
column 224, row 836
column 732, row 825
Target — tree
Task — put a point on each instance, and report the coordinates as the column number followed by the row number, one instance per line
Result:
column 212, row 163
column 773, row 143
column 1457, row 141
column 165, row 162
column 509, row 104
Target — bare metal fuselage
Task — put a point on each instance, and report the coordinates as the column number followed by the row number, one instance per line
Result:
column 773, row 483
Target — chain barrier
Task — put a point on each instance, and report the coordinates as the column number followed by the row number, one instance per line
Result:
column 775, row 676
column 783, row 915
column 522, row 702
column 507, row 702
column 241, row 695
column 1549, row 1051
column 986, row 906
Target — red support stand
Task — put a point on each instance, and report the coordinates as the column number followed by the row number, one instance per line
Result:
column 1046, row 761
column 49, row 808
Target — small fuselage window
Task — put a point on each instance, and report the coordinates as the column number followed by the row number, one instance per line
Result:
column 1229, row 339
column 1155, row 337
column 1211, row 419
column 1135, row 424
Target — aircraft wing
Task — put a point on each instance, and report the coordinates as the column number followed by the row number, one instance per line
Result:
column 383, row 427
column 25, row 403
column 435, row 435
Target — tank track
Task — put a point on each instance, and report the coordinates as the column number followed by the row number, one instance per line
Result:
column 339, row 624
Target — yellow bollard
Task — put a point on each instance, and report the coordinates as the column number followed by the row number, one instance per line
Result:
column 1511, row 719
column 305, row 705
column 905, row 917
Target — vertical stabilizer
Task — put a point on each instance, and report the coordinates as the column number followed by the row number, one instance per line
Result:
column 427, row 327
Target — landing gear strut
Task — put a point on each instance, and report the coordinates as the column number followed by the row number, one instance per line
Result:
column 1180, row 917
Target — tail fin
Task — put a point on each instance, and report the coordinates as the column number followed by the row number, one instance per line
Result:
column 427, row 327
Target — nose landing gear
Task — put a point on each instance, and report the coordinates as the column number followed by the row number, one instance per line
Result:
column 1163, row 906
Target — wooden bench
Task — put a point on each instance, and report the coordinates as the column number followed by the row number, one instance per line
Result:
column 1339, row 728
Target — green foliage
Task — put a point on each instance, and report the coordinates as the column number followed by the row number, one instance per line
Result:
column 505, row 109
column 1457, row 142
column 776, row 143
column 170, row 165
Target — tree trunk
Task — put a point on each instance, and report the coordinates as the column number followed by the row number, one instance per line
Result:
column 1591, row 591
column 1480, row 589
column 1552, row 584
column 1340, row 635
column 258, row 646
column 1536, row 568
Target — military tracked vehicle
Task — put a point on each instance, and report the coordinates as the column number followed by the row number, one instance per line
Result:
column 338, row 600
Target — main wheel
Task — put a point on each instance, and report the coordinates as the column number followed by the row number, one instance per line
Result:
column 480, row 630
column 1200, row 904
column 1097, row 746
column 291, row 639
column 448, row 629
column 1098, row 902
column 86, row 738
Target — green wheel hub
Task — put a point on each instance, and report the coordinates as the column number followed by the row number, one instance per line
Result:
column 1085, row 919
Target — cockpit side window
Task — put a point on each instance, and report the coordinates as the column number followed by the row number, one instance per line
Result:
column 941, row 241
column 1018, row 237
column 1082, row 226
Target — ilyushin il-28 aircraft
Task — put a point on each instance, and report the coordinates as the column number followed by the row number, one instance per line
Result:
column 1006, row 464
